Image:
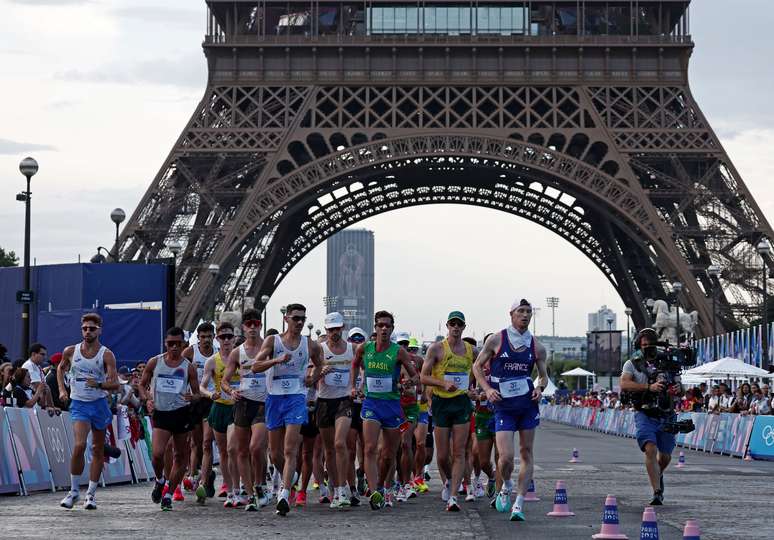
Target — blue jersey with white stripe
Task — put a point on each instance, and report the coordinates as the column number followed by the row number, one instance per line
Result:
column 510, row 373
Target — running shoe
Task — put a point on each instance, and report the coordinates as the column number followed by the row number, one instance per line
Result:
column 241, row 500
column 411, row 493
column 230, row 501
column 223, row 491
column 283, row 507
column 462, row 489
column 401, row 496
column 188, row 483
column 251, row 505
column 209, row 485
column 91, row 502
column 178, row 496
column 452, row 506
column 70, row 500
column 165, row 490
column 661, row 484
column 166, row 503
column 315, row 485
column 301, row 498
column 658, row 498
column 388, row 499
column 201, row 494
column 361, row 484
column 261, row 498
column 354, row 500
column 493, row 503
column 469, row 495
column 376, row 500
column 445, row 493
column 344, row 500
column 427, row 473
column 517, row 513
column 324, row 496
column 158, row 492
column 503, row 501
column 479, row 492
column 336, row 502
column 491, row 488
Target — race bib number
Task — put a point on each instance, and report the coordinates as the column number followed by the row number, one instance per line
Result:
column 460, row 380
column 514, row 388
column 337, row 377
column 254, row 383
column 84, row 389
column 379, row 384
column 169, row 385
column 285, row 385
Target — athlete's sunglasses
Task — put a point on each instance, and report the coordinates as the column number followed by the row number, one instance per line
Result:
column 251, row 323
column 298, row 318
column 89, row 328
column 456, row 322
column 383, row 325
column 171, row 343
column 357, row 338
column 226, row 336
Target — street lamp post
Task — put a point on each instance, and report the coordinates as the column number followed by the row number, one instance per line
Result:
column 283, row 310
column 319, row 333
column 610, row 347
column 310, row 326
column 175, row 248
column 677, row 286
column 764, row 250
column 117, row 216
column 714, row 272
column 214, row 270
column 28, row 167
column 265, row 302
column 242, row 288
column 553, row 303
column 628, row 312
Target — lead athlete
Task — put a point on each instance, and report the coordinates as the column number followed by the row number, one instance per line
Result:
column 92, row 370
column 512, row 354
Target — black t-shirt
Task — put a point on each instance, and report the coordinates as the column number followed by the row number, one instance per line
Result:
column 21, row 395
column 53, row 385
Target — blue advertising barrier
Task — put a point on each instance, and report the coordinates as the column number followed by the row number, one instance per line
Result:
column 762, row 438
column 9, row 469
column 724, row 433
column 30, row 449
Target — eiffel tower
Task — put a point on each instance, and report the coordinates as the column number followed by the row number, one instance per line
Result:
column 576, row 115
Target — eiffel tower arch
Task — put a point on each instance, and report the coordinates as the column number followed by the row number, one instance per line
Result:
column 575, row 115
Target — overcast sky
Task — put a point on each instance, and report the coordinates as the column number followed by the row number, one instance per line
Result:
column 99, row 90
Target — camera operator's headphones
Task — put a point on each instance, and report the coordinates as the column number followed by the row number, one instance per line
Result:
column 645, row 332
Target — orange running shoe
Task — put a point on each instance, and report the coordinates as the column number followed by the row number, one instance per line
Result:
column 178, row 495
column 300, row 498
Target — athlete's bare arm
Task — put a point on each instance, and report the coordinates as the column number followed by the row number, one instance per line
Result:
column 491, row 346
column 314, row 370
column 193, row 383
column 61, row 371
column 232, row 366
column 542, row 356
column 147, row 375
column 111, row 374
column 434, row 354
column 354, row 370
column 207, row 376
column 408, row 365
column 264, row 361
column 188, row 353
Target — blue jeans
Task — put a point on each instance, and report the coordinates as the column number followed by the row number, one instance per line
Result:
column 649, row 430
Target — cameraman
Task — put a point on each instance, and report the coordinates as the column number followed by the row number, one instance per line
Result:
column 638, row 372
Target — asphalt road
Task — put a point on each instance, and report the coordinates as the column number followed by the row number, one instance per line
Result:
column 731, row 499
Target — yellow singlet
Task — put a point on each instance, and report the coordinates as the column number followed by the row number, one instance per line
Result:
column 455, row 368
column 220, row 369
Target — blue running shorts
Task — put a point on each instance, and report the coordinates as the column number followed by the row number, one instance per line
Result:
column 649, row 430
column 517, row 419
column 282, row 411
column 96, row 413
column 387, row 412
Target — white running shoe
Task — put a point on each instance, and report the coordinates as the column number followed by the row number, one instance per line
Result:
column 388, row 498
column 469, row 496
column 91, row 502
column 452, row 505
column 445, row 493
column 411, row 493
column 479, row 493
column 70, row 500
column 401, row 496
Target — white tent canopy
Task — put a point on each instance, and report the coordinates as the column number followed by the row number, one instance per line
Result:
column 550, row 389
column 578, row 372
column 726, row 367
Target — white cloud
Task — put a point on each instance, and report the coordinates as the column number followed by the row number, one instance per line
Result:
column 14, row 147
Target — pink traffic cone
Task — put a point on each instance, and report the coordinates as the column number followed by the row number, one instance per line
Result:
column 575, row 456
column 531, row 495
column 691, row 531
column 649, row 527
column 561, row 508
column 681, row 460
column 610, row 527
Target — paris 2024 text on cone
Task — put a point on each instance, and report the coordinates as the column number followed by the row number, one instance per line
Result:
column 611, row 529
column 561, row 508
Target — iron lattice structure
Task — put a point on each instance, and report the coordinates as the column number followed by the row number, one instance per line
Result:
column 312, row 122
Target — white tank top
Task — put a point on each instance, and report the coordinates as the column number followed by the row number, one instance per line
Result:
column 81, row 369
column 169, row 385
column 287, row 379
column 336, row 383
column 251, row 385
column 199, row 360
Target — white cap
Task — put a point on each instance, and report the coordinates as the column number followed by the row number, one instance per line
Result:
column 334, row 320
column 355, row 331
column 518, row 303
column 402, row 336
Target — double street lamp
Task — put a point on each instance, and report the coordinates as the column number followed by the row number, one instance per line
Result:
column 610, row 347
column 628, row 312
column 265, row 303
column 714, row 272
column 28, row 167
column 117, row 216
column 677, row 287
column 764, row 250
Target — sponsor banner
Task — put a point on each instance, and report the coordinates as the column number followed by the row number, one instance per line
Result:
column 762, row 438
column 57, row 449
column 9, row 469
column 30, row 449
column 741, row 428
column 117, row 470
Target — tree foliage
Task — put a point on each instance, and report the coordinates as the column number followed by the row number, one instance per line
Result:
column 8, row 258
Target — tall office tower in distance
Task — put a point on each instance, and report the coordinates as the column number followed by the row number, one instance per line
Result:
column 350, row 279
